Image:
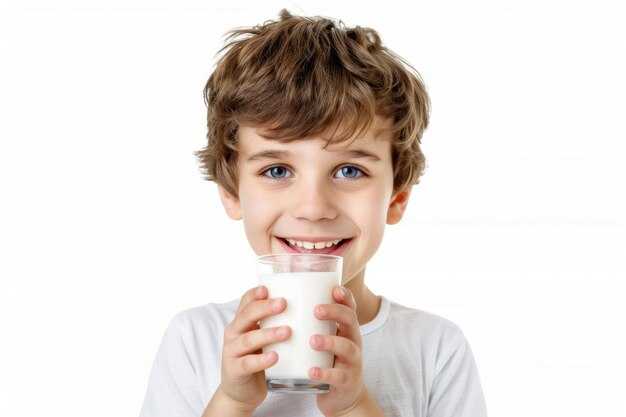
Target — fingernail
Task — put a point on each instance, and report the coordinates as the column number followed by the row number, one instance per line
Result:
column 281, row 332
column 315, row 373
column 321, row 311
column 259, row 292
column 343, row 292
column 277, row 304
column 317, row 341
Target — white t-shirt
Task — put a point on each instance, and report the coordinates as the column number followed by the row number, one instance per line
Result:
column 415, row 364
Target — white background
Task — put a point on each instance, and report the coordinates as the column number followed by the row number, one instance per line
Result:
column 517, row 231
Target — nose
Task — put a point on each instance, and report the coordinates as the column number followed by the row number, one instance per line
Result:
column 313, row 201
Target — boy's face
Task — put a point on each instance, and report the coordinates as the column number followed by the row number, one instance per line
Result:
column 300, row 197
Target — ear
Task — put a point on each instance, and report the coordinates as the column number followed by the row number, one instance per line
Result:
column 397, row 206
column 231, row 203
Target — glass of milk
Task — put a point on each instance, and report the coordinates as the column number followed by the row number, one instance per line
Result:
column 304, row 280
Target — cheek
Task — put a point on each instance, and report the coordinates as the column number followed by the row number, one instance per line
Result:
column 258, row 216
column 371, row 215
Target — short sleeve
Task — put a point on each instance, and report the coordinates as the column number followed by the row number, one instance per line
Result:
column 456, row 389
column 173, row 385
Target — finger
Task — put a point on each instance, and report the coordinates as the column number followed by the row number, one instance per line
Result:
column 345, row 316
column 251, row 364
column 255, row 340
column 248, row 317
column 256, row 293
column 345, row 350
column 336, row 377
column 344, row 296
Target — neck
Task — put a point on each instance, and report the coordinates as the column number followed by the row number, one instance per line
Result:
column 367, row 303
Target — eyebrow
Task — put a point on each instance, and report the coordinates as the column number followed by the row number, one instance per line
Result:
column 269, row 154
column 361, row 153
column 276, row 154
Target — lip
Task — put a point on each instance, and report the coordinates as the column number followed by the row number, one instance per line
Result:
column 326, row 251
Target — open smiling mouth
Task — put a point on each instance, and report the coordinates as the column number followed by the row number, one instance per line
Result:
column 333, row 247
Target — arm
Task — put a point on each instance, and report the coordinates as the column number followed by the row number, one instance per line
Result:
column 173, row 388
column 456, row 389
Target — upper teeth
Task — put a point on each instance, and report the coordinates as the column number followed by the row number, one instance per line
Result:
column 312, row 245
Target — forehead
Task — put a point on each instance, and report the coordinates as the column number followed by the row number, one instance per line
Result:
column 379, row 136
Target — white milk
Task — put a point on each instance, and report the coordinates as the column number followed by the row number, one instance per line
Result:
column 303, row 291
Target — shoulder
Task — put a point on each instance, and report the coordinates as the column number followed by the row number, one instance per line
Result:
column 196, row 335
column 422, row 320
column 207, row 312
column 206, row 319
column 430, row 354
column 430, row 330
column 185, row 370
column 211, row 314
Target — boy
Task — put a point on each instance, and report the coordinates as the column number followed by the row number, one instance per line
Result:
column 314, row 142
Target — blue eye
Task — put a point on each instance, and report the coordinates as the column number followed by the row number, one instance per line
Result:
column 278, row 172
column 349, row 172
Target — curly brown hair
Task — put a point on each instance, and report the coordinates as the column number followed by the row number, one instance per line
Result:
column 298, row 77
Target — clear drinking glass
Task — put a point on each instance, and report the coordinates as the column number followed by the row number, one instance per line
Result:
column 304, row 280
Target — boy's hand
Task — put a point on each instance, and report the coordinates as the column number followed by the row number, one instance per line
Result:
column 347, row 393
column 243, row 364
